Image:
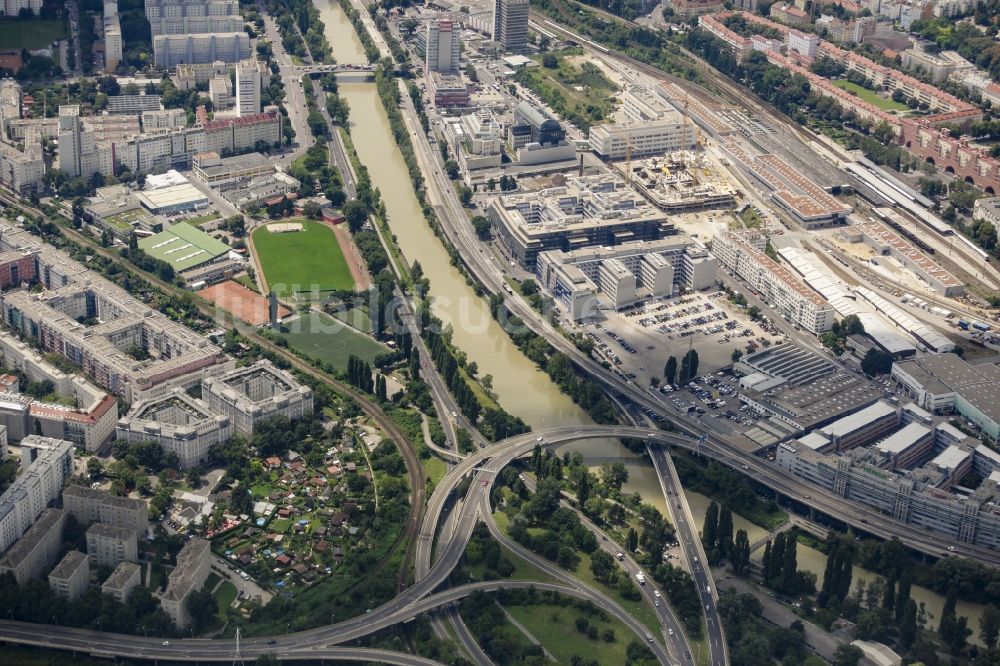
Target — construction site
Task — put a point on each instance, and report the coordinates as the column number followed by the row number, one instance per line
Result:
column 680, row 182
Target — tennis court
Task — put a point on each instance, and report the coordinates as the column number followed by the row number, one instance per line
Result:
column 322, row 337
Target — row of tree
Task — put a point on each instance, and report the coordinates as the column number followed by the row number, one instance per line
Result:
column 688, row 369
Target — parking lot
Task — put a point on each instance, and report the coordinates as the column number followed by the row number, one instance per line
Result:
column 637, row 342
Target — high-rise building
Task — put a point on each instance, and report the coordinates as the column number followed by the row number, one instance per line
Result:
column 112, row 36
column 510, row 23
column 442, row 47
column 40, row 483
column 247, row 88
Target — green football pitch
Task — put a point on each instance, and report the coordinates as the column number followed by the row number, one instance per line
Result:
column 302, row 261
column 322, row 337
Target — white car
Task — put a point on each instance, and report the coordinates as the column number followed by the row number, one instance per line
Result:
column 656, row 593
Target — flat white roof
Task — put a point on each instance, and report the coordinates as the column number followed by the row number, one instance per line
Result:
column 814, row 440
column 951, row 457
column 902, row 440
column 859, row 420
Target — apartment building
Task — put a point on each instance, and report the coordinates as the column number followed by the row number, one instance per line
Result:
column 14, row 7
column 125, row 578
column 92, row 505
column 88, row 425
column 47, row 464
column 252, row 77
column 743, row 254
column 193, row 566
column 179, row 423
column 248, row 395
column 108, row 545
column 71, row 576
column 96, row 324
column 22, row 171
column 170, row 50
column 939, row 66
column 36, row 551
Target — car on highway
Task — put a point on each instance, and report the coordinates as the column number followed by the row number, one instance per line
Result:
column 271, row 641
column 165, row 643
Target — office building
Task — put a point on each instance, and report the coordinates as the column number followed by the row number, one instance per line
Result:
column 172, row 50
column 742, row 253
column 476, row 139
column 179, row 423
column 193, row 566
column 579, row 279
column 449, row 90
column 96, row 324
column 903, row 448
column 585, row 212
column 189, row 75
column 510, row 24
column 112, row 36
column 443, row 47
column 947, row 383
column 43, row 477
column 36, row 551
column 71, row 576
column 126, row 577
column 108, row 545
column 92, row 505
column 915, row 497
column 614, row 141
column 537, row 137
column 253, row 393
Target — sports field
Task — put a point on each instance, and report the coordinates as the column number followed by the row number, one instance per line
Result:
column 302, row 261
column 870, row 96
column 322, row 337
column 30, row 33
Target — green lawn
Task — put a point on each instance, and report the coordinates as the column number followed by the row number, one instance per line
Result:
column 554, row 627
column 247, row 282
column 212, row 580
column 302, row 261
column 322, row 337
column 30, row 33
column 225, row 595
column 202, row 219
column 870, row 96
column 356, row 317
